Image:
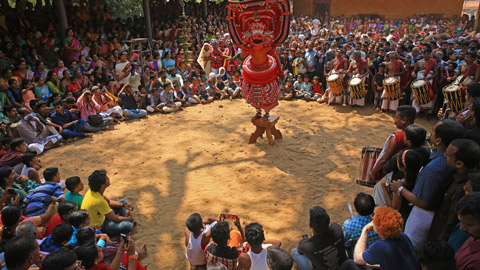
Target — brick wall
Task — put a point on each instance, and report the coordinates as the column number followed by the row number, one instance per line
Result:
column 388, row 8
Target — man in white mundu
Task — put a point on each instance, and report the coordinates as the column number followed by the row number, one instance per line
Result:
column 394, row 69
column 340, row 65
column 358, row 69
column 425, row 69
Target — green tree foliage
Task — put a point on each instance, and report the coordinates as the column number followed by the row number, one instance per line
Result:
column 124, row 9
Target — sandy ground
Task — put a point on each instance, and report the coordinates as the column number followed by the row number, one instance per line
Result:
column 170, row 166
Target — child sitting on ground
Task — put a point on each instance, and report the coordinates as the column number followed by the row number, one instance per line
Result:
column 205, row 96
column 317, row 89
column 38, row 202
column 62, row 233
column 233, row 89
column 74, row 186
column 197, row 237
column 288, row 90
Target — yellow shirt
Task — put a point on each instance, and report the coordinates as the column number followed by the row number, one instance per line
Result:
column 96, row 206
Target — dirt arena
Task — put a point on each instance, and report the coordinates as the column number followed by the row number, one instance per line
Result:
column 170, row 166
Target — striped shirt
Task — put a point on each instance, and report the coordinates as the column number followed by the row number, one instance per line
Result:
column 41, row 197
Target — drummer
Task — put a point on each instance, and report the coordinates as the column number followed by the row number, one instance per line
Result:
column 340, row 66
column 358, row 69
column 394, row 68
column 468, row 72
column 404, row 116
column 425, row 69
column 465, row 117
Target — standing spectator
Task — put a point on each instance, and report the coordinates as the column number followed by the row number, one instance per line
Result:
column 122, row 69
column 326, row 248
column 464, row 156
column 431, row 182
column 468, row 210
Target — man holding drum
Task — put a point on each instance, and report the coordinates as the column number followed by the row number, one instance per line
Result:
column 358, row 69
column 424, row 72
column 340, row 65
column 468, row 72
column 395, row 69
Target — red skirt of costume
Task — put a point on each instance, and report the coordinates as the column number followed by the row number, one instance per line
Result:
column 260, row 84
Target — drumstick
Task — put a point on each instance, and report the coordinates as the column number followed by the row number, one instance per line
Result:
column 351, row 211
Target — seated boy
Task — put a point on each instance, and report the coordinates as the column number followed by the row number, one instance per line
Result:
column 197, row 237
column 288, row 90
column 220, row 89
column 205, row 96
column 232, row 88
column 317, row 89
column 74, row 186
column 298, row 87
column 38, row 202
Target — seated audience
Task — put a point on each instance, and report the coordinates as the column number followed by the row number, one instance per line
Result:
column 394, row 251
column 74, row 186
column 352, row 227
column 219, row 250
column 21, row 253
column 38, row 202
column 256, row 258
column 197, row 237
column 113, row 221
column 64, row 208
column 71, row 125
column 61, row 234
column 61, row 260
column 325, row 248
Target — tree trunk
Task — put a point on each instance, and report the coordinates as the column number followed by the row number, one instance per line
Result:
column 205, row 9
column 148, row 23
column 62, row 16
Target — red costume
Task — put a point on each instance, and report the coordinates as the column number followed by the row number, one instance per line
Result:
column 257, row 27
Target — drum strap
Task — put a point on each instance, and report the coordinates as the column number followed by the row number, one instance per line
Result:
column 361, row 65
column 398, row 64
column 429, row 67
column 471, row 70
column 340, row 64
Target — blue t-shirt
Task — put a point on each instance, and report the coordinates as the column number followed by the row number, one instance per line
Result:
column 41, row 197
column 393, row 254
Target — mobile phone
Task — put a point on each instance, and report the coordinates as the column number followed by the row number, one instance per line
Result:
column 12, row 192
column 55, row 199
column 229, row 216
column 305, row 236
column 125, row 238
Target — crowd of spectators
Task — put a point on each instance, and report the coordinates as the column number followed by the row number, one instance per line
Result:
column 53, row 89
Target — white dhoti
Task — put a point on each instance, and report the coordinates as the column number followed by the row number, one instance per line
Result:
column 39, row 147
column 333, row 99
column 418, row 224
column 357, row 102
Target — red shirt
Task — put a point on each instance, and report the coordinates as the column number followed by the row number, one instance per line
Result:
column 468, row 256
column 56, row 220
column 317, row 89
column 399, row 143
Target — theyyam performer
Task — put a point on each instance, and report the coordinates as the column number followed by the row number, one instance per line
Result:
column 257, row 28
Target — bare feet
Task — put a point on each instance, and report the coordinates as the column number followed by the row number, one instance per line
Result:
column 90, row 135
column 105, row 128
column 143, row 253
